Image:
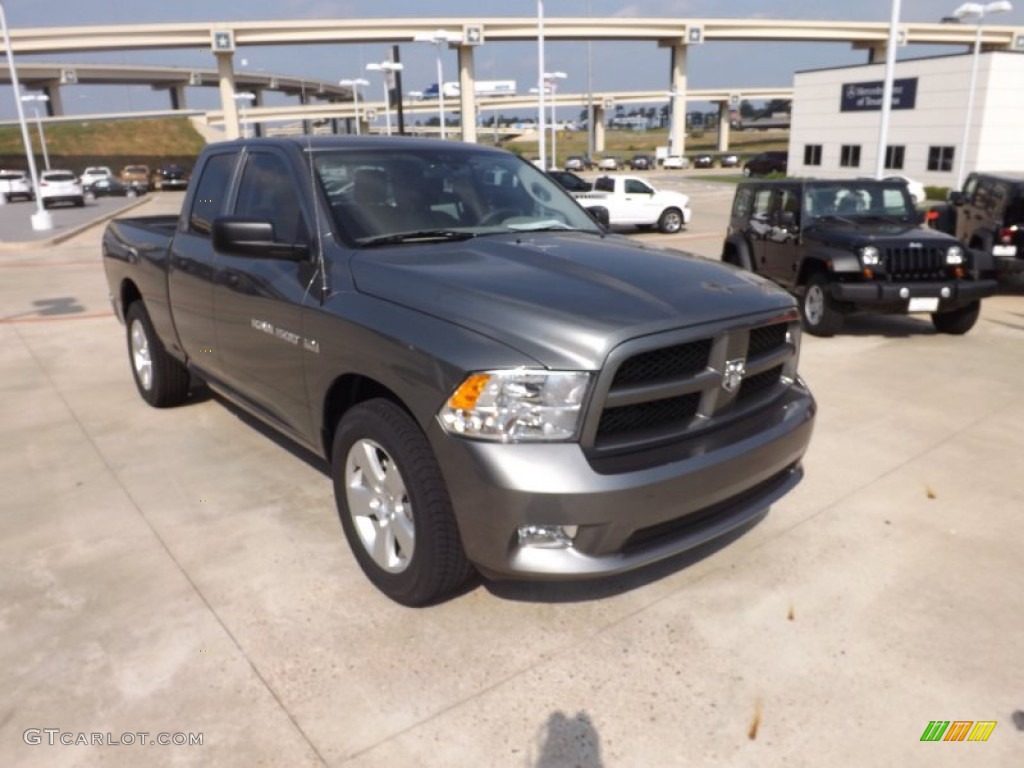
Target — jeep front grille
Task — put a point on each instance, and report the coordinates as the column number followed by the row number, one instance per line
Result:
column 915, row 263
column 652, row 393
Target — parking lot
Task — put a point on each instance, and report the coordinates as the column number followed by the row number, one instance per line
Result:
column 181, row 572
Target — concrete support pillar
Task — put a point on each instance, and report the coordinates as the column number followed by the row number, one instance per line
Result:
column 55, row 106
column 257, row 128
column 677, row 133
column 177, row 93
column 467, row 87
column 723, row 126
column 599, row 115
column 876, row 53
column 226, row 77
column 304, row 99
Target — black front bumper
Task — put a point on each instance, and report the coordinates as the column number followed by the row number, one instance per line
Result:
column 950, row 293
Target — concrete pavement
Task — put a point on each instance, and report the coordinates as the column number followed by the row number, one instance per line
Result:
column 177, row 571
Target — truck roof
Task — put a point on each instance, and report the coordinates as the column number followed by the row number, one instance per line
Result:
column 366, row 142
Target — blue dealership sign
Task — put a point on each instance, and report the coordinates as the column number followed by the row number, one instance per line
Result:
column 861, row 97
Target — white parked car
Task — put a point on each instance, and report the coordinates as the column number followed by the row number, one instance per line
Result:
column 631, row 201
column 14, row 184
column 915, row 188
column 675, row 161
column 95, row 173
column 60, row 187
column 609, row 163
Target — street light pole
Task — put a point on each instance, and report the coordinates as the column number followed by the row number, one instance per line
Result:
column 976, row 11
column 552, row 78
column 354, row 83
column 385, row 68
column 887, row 86
column 439, row 38
column 41, row 219
column 541, row 128
column 39, row 124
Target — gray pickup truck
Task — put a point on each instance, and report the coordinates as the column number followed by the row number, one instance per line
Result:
column 496, row 382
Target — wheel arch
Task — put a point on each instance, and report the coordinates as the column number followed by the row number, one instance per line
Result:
column 345, row 392
column 128, row 295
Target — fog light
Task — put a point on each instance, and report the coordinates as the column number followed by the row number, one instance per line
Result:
column 945, row 292
column 547, row 536
column 904, row 293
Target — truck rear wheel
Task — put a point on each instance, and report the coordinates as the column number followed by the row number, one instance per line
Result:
column 161, row 380
column 671, row 221
column 394, row 505
column 821, row 317
column 959, row 321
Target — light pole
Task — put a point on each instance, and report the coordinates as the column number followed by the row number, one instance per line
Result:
column 354, row 84
column 439, row 38
column 550, row 79
column 41, row 219
column 541, row 129
column 37, row 97
column 887, row 86
column 386, row 69
column 242, row 98
column 976, row 11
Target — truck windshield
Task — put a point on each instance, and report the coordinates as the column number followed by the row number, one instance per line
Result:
column 376, row 196
column 858, row 199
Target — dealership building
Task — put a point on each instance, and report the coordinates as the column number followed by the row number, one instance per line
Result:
column 837, row 114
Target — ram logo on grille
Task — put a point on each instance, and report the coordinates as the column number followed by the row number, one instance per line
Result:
column 732, row 376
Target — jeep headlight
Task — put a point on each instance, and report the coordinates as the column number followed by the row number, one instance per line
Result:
column 954, row 256
column 869, row 256
column 517, row 405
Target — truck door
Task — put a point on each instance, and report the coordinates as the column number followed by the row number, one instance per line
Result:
column 191, row 265
column 258, row 300
column 638, row 206
column 779, row 256
column 758, row 224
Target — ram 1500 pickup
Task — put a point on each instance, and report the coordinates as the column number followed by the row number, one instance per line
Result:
column 495, row 381
column 631, row 201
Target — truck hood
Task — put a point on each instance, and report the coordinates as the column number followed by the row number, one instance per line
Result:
column 564, row 299
column 848, row 236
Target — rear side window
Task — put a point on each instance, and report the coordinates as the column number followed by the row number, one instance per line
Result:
column 211, row 193
column 762, row 203
column 605, row 184
column 741, row 205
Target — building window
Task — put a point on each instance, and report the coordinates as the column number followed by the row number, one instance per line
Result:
column 812, row 154
column 894, row 157
column 940, row 158
column 849, row 156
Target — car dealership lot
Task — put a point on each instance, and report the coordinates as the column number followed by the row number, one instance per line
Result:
column 180, row 571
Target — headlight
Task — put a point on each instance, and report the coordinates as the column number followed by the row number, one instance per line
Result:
column 955, row 255
column 869, row 256
column 523, row 404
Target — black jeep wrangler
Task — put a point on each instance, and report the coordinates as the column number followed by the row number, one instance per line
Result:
column 988, row 215
column 855, row 244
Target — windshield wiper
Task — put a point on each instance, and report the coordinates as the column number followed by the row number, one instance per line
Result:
column 889, row 219
column 835, row 217
column 421, row 235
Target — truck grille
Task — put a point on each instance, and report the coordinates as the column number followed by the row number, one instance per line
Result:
column 915, row 263
column 660, row 394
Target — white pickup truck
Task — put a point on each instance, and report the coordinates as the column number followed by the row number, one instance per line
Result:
column 632, row 201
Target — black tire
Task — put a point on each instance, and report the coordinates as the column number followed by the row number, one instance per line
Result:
column 381, row 460
column 670, row 221
column 958, row 321
column 161, row 380
column 818, row 309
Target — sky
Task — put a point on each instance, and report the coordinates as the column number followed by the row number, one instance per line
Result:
column 614, row 65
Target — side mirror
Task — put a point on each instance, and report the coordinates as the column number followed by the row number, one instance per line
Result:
column 599, row 214
column 252, row 237
column 955, row 197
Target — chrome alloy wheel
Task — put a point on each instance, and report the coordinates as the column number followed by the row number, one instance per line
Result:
column 379, row 505
column 141, row 359
column 814, row 304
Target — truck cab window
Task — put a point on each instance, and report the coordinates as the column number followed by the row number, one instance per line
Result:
column 211, row 193
column 267, row 192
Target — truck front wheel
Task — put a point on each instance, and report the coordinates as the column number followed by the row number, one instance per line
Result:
column 958, row 321
column 821, row 317
column 671, row 221
column 394, row 505
column 161, row 380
